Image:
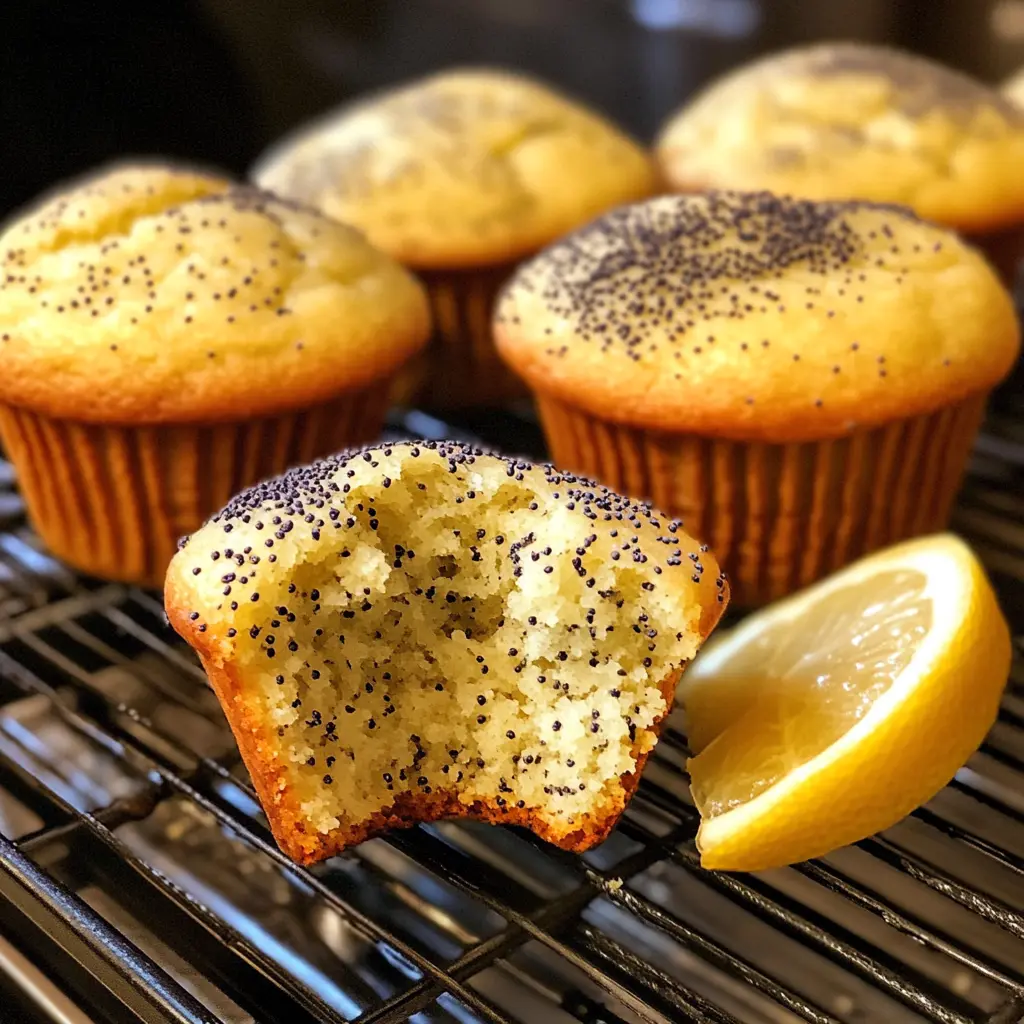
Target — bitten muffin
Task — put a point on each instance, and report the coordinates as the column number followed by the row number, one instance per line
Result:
column 800, row 381
column 167, row 337
column 853, row 121
column 422, row 630
column 459, row 176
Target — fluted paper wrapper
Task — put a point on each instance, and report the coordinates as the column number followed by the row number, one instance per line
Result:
column 780, row 516
column 112, row 501
column 461, row 367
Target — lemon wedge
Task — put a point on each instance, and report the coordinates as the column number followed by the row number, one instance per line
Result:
column 828, row 716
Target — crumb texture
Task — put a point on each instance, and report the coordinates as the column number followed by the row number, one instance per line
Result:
column 839, row 121
column 425, row 630
column 749, row 315
column 462, row 168
column 155, row 294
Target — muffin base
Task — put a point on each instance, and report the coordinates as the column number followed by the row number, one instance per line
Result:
column 113, row 501
column 780, row 516
column 461, row 368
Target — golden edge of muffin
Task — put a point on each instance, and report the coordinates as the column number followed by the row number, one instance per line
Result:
column 154, row 294
column 755, row 317
column 849, row 120
column 464, row 168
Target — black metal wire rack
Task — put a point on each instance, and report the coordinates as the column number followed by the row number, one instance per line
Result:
column 137, row 871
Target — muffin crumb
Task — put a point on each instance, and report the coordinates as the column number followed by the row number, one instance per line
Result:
column 461, row 640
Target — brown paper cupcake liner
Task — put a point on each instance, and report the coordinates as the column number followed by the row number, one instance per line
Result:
column 779, row 516
column 461, row 368
column 112, row 501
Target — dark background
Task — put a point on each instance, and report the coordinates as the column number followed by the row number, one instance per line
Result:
column 215, row 80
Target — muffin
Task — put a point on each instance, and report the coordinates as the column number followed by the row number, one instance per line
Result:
column 801, row 382
column 167, row 337
column 1013, row 88
column 459, row 176
column 427, row 631
column 852, row 121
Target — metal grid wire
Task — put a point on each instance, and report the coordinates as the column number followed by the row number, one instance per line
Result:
column 135, row 846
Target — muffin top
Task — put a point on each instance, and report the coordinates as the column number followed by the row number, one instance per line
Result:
column 755, row 317
column 851, row 121
column 464, row 168
column 150, row 294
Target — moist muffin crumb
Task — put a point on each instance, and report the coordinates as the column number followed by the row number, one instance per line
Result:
column 424, row 630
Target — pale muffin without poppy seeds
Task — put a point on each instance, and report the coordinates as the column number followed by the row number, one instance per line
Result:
column 857, row 121
column 800, row 381
column 459, row 176
column 425, row 630
column 167, row 337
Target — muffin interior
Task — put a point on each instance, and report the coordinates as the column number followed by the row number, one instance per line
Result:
column 453, row 633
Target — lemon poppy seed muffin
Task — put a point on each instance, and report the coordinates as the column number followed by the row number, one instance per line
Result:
column 800, row 381
column 855, row 121
column 423, row 630
column 459, row 176
column 168, row 337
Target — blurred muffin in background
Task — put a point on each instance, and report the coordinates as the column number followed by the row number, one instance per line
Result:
column 459, row 176
column 1013, row 88
column 853, row 121
column 800, row 381
column 167, row 337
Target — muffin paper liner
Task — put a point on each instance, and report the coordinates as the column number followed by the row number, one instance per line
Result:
column 779, row 516
column 462, row 367
column 1005, row 251
column 113, row 501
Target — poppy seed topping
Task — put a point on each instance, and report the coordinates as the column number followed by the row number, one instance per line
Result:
column 447, row 671
column 155, row 294
column 751, row 316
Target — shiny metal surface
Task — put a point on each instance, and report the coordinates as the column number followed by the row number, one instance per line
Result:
column 133, row 838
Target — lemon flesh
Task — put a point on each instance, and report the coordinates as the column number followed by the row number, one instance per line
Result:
column 831, row 715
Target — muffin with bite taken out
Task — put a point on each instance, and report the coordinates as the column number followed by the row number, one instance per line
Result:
column 426, row 630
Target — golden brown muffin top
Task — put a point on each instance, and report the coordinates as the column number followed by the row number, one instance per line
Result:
column 150, row 294
column 851, row 121
column 754, row 317
column 464, row 168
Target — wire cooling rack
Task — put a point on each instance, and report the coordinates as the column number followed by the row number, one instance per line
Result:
column 136, row 868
